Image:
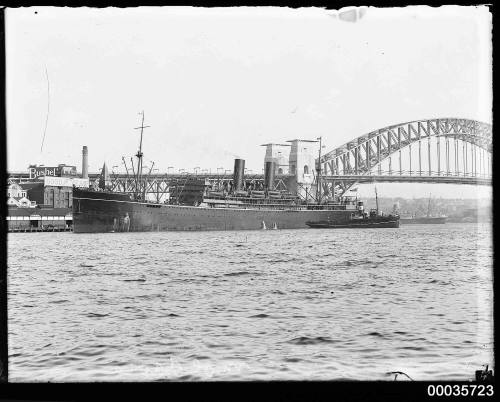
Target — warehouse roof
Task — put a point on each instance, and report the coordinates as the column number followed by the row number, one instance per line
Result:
column 39, row 211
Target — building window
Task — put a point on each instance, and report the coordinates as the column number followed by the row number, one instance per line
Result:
column 306, row 169
column 280, row 171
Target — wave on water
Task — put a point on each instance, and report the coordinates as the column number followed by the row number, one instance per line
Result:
column 238, row 273
column 304, row 340
column 292, row 360
column 377, row 334
column 59, row 301
column 354, row 263
column 439, row 282
column 278, row 292
column 97, row 315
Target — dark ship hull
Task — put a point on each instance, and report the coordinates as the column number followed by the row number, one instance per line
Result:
column 423, row 220
column 103, row 212
column 375, row 222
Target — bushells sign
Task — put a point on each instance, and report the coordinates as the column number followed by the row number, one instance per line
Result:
column 51, row 171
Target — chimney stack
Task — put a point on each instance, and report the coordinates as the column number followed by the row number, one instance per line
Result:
column 85, row 162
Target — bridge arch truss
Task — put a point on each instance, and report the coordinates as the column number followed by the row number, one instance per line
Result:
column 434, row 150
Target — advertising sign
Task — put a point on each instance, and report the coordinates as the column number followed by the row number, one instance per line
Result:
column 65, row 170
column 78, row 182
column 40, row 171
column 65, row 182
column 51, row 171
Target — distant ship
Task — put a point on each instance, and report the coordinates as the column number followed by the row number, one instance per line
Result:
column 423, row 220
column 232, row 208
column 428, row 219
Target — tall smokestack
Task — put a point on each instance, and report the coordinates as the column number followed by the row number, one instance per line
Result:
column 238, row 173
column 269, row 175
column 85, row 162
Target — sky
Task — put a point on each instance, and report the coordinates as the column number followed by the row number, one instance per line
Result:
column 215, row 84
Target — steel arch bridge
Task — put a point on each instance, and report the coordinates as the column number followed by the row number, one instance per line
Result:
column 442, row 150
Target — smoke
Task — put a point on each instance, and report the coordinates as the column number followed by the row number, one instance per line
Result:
column 231, row 154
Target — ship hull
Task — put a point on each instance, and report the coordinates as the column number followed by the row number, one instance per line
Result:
column 361, row 224
column 423, row 220
column 95, row 212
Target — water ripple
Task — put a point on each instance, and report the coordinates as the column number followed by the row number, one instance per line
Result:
column 256, row 305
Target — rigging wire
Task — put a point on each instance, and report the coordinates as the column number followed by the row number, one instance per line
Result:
column 48, row 108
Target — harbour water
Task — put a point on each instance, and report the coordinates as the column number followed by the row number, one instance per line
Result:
column 251, row 305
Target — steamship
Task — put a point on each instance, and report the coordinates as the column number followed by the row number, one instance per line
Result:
column 234, row 207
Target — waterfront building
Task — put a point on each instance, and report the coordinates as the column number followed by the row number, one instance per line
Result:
column 28, row 219
column 17, row 197
column 53, row 192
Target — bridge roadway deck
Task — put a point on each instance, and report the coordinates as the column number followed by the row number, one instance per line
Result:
column 393, row 178
column 441, row 179
column 159, row 176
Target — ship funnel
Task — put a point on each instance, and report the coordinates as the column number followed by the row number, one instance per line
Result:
column 269, row 168
column 238, row 174
column 85, row 162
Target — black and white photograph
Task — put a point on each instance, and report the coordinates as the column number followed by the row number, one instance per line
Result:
column 249, row 194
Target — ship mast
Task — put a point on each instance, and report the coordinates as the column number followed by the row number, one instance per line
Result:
column 139, row 156
column 376, row 199
column 318, row 178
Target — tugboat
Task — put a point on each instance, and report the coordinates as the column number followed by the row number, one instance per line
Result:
column 361, row 220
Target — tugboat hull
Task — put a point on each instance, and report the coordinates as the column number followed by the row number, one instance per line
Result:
column 356, row 224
